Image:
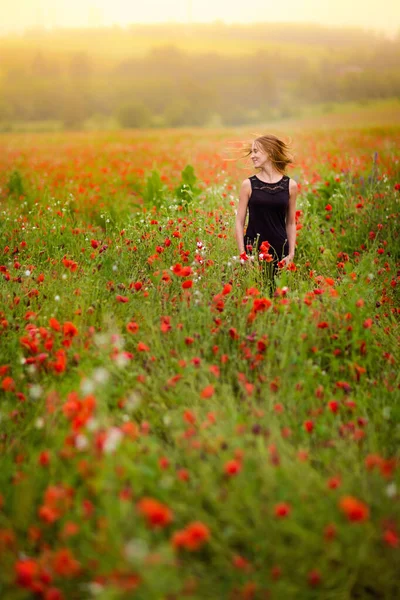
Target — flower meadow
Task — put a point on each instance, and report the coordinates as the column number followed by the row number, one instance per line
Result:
column 170, row 426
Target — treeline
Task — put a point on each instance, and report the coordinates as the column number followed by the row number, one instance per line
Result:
column 170, row 86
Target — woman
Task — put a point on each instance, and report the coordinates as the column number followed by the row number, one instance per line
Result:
column 270, row 197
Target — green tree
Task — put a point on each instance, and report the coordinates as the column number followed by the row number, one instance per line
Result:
column 134, row 114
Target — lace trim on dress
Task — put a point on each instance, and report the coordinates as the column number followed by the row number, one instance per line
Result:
column 272, row 188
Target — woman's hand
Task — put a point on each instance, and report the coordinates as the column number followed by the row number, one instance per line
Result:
column 286, row 260
column 245, row 259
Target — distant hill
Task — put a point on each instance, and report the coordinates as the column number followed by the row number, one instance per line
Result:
column 178, row 75
column 116, row 42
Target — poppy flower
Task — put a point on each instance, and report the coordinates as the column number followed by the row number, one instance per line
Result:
column 208, row 391
column 192, row 537
column 391, row 538
column 156, row 513
column 354, row 509
column 314, row 578
column 8, row 384
column 308, row 426
column 132, row 327
column 69, row 329
column 54, row 324
column 64, row 563
column 26, row 571
column 232, row 467
column 142, row 347
column 282, row 509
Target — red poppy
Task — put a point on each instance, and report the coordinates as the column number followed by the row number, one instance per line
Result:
column 156, row 513
column 391, row 538
column 64, row 563
column 282, row 509
column 333, row 406
column 334, row 482
column 330, row 532
column 314, row 578
column 233, row 467
column 261, row 304
column 142, row 347
column 193, row 537
column 208, row 391
column 26, row 571
column 54, row 324
column 354, row 509
column 308, row 426
column 69, row 329
column 8, row 384
column 132, row 327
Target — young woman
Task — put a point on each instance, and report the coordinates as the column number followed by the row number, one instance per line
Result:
column 270, row 198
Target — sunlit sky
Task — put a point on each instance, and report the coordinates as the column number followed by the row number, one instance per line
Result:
column 19, row 15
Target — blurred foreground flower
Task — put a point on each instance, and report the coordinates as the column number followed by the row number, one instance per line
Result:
column 156, row 513
column 193, row 537
column 354, row 509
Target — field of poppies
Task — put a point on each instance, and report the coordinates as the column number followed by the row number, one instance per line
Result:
column 170, row 428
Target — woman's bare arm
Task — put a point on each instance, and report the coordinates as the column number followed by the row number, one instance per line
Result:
column 244, row 195
column 291, row 218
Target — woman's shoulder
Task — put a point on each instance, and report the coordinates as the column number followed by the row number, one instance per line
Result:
column 246, row 183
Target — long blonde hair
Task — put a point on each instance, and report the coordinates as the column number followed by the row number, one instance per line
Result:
column 277, row 150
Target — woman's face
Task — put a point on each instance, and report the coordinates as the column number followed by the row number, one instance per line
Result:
column 258, row 155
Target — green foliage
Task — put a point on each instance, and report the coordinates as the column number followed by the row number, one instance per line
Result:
column 177, row 113
column 187, row 190
column 134, row 115
column 15, row 184
column 155, row 191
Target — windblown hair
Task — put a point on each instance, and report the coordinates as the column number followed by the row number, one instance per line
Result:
column 277, row 149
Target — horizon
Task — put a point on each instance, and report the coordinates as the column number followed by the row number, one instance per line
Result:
column 24, row 16
column 49, row 30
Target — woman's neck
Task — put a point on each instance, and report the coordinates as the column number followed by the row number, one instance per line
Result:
column 269, row 174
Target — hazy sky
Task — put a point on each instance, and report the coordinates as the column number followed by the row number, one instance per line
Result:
column 17, row 15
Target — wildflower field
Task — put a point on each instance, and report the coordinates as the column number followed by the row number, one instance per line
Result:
column 168, row 428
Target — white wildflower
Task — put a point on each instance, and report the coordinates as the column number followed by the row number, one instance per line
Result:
column 136, row 550
column 81, row 442
column 100, row 375
column 35, row 392
column 87, row 386
column 391, row 490
column 113, row 439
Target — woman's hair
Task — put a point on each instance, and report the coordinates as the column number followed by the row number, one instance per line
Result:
column 277, row 150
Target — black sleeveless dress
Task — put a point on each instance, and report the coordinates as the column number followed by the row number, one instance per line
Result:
column 267, row 207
